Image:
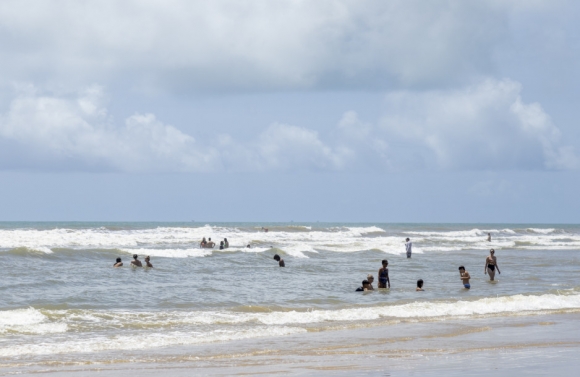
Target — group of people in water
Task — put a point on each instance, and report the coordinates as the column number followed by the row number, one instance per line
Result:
column 384, row 281
column 367, row 284
column 135, row 262
column 209, row 244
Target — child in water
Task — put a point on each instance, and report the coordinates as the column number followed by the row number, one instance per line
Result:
column 419, row 285
column 370, row 279
column 464, row 276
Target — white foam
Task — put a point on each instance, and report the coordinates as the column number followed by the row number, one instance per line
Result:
column 143, row 341
column 496, row 305
column 171, row 253
column 28, row 321
column 542, row 231
column 181, row 242
column 141, row 330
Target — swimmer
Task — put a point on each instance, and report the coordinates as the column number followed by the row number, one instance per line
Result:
column 147, row 261
column 419, row 285
column 384, row 281
column 210, row 243
column 365, row 286
column 222, row 245
column 370, row 279
column 118, row 263
column 491, row 265
column 408, row 247
column 489, row 237
column 203, row 242
column 279, row 260
column 247, row 247
column 136, row 262
column 464, row 276
column 226, row 243
column 265, row 229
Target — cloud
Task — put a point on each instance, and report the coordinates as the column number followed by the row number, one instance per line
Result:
column 480, row 127
column 259, row 45
column 484, row 126
column 54, row 131
column 42, row 131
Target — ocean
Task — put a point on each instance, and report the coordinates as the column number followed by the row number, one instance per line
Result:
column 63, row 305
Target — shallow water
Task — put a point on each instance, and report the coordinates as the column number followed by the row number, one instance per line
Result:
column 60, row 296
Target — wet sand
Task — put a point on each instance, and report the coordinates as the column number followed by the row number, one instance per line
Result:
column 542, row 344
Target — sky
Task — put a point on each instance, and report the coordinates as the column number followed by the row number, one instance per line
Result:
column 291, row 110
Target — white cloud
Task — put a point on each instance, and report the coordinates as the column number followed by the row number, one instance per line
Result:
column 51, row 130
column 59, row 132
column 484, row 126
column 284, row 146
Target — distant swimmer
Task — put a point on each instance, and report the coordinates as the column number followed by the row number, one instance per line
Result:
column 226, row 243
column 370, row 279
column 210, row 243
column 464, row 276
column 408, row 247
column 247, row 247
column 265, row 229
column 489, row 237
column 384, row 281
column 136, row 262
column 148, row 261
column 118, row 263
column 203, row 242
column 419, row 285
column 279, row 260
column 491, row 265
column 222, row 245
column 365, row 286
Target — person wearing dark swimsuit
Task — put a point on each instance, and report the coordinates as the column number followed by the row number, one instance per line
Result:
column 279, row 260
column 491, row 265
column 384, row 281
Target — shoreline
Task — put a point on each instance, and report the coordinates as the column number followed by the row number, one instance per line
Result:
column 506, row 345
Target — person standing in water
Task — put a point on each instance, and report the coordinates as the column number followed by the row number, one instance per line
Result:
column 409, row 247
column 148, row 261
column 464, row 276
column 226, row 243
column 279, row 260
column 491, row 265
column 384, row 281
column 489, row 237
column 419, row 285
column 118, row 263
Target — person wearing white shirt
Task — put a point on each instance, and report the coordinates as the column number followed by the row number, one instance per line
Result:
column 409, row 247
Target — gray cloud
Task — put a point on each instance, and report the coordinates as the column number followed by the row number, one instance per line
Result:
column 259, row 45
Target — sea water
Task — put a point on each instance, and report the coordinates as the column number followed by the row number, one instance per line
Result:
column 61, row 300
